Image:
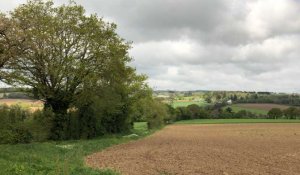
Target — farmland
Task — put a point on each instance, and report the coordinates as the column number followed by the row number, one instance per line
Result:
column 27, row 104
column 184, row 103
column 185, row 88
column 257, row 108
column 208, row 149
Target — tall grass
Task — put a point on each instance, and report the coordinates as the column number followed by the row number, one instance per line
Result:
column 59, row 158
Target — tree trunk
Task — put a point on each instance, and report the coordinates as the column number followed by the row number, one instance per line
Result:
column 61, row 118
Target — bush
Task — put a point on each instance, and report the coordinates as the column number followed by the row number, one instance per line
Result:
column 157, row 112
column 20, row 126
column 292, row 113
column 182, row 113
column 13, row 128
column 172, row 114
column 275, row 113
column 40, row 125
column 194, row 111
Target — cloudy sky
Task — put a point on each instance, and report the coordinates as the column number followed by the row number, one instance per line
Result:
column 208, row 44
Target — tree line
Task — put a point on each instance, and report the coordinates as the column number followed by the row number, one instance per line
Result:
column 218, row 111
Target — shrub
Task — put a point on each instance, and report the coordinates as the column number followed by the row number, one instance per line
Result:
column 20, row 126
column 275, row 113
column 157, row 112
column 292, row 113
column 172, row 114
column 194, row 111
column 182, row 113
column 241, row 114
column 13, row 128
column 40, row 124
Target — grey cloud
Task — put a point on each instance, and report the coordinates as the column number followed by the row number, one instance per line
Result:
column 208, row 44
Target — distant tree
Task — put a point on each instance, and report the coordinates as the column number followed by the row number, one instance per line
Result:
column 208, row 99
column 229, row 109
column 241, row 114
column 183, row 113
column 275, row 113
column 234, row 98
column 172, row 114
column 218, row 97
column 194, row 110
column 291, row 113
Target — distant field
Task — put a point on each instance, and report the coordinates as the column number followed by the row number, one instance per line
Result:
column 31, row 105
column 257, row 108
column 184, row 103
column 231, row 121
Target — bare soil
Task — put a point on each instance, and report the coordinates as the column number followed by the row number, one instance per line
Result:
column 208, row 149
column 262, row 106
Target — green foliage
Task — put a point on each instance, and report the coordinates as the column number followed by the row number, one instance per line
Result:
column 41, row 124
column 230, row 121
column 275, row 113
column 182, row 113
column 229, row 110
column 237, row 108
column 16, row 95
column 12, row 128
column 193, row 110
column 176, row 104
column 267, row 97
column 292, row 113
column 57, row 158
column 156, row 112
column 73, row 61
column 221, row 111
column 197, row 112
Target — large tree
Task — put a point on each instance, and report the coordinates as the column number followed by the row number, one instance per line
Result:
column 9, row 42
column 62, row 53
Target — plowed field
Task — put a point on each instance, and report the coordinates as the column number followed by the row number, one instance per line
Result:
column 208, row 149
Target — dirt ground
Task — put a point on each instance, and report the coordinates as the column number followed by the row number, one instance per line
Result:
column 263, row 106
column 208, row 149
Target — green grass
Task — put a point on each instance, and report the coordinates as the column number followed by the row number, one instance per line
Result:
column 255, row 111
column 59, row 158
column 232, row 121
column 185, row 104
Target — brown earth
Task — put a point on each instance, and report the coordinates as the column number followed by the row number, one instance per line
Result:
column 263, row 106
column 208, row 149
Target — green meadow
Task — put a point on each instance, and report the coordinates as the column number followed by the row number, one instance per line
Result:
column 187, row 103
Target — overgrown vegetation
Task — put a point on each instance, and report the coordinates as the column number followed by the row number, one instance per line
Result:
column 55, row 158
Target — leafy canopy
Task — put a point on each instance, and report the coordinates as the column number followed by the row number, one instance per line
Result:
column 59, row 52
